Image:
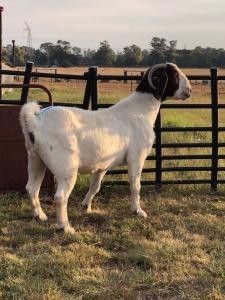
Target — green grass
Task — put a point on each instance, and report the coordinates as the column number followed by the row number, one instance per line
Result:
column 59, row 94
column 176, row 253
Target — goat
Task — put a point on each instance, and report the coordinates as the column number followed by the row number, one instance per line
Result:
column 71, row 140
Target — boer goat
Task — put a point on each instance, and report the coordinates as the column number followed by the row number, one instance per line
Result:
column 71, row 140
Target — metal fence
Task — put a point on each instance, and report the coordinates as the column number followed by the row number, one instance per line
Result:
column 90, row 101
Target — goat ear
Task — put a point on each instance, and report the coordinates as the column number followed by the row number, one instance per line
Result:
column 160, row 83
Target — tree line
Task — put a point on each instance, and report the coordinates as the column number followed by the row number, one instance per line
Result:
column 62, row 54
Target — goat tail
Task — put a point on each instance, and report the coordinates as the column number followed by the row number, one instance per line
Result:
column 28, row 117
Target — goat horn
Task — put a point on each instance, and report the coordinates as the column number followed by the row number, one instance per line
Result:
column 152, row 70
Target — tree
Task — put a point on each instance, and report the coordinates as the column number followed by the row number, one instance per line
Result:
column 41, row 58
column 120, row 60
column 62, row 54
column 184, row 58
column 219, row 59
column 20, row 56
column 45, row 50
column 7, row 54
column 88, row 57
column 158, row 51
column 145, row 58
column 45, row 47
column 64, row 45
column 77, row 56
column 198, row 57
column 171, row 53
column 133, row 56
column 105, row 56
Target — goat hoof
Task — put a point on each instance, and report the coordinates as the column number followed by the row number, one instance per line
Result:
column 59, row 230
column 68, row 229
column 41, row 217
column 85, row 208
column 141, row 213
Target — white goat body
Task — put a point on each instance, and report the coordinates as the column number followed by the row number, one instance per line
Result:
column 90, row 141
column 71, row 140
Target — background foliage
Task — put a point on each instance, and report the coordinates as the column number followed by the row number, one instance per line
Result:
column 62, row 54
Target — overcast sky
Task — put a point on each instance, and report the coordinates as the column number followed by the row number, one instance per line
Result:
column 86, row 23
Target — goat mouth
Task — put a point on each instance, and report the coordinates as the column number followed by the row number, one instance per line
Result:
column 185, row 95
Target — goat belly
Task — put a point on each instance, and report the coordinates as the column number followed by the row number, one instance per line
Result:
column 102, row 156
column 104, row 162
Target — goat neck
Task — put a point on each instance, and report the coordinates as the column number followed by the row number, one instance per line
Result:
column 140, row 105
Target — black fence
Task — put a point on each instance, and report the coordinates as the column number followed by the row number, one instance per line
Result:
column 90, row 101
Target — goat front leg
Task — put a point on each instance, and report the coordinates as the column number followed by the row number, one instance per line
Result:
column 36, row 172
column 134, row 173
column 94, row 188
column 63, row 191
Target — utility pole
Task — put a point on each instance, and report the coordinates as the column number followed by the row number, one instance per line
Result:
column 13, row 53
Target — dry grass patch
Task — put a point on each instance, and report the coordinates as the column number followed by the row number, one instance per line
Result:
column 177, row 253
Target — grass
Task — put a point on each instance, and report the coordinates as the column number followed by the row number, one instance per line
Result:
column 63, row 92
column 177, row 253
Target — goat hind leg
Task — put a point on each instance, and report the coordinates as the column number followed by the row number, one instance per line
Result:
column 36, row 172
column 94, row 188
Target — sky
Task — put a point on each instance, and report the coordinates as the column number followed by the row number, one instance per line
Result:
column 87, row 23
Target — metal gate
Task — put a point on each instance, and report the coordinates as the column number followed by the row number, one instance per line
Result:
column 17, row 151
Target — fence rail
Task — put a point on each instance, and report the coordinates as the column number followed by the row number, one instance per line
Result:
column 91, row 100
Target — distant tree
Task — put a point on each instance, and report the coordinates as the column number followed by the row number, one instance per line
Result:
column 158, row 50
column 88, row 57
column 45, row 47
column 41, row 58
column 171, row 53
column 132, row 56
column 64, row 45
column 198, row 60
column 219, row 59
column 62, row 54
column 76, row 51
column 120, row 59
column 184, row 58
column 105, row 56
column 7, row 54
column 77, row 56
column 66, row 64
column 20, row 56
column 159, row 44
column 145, row 58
